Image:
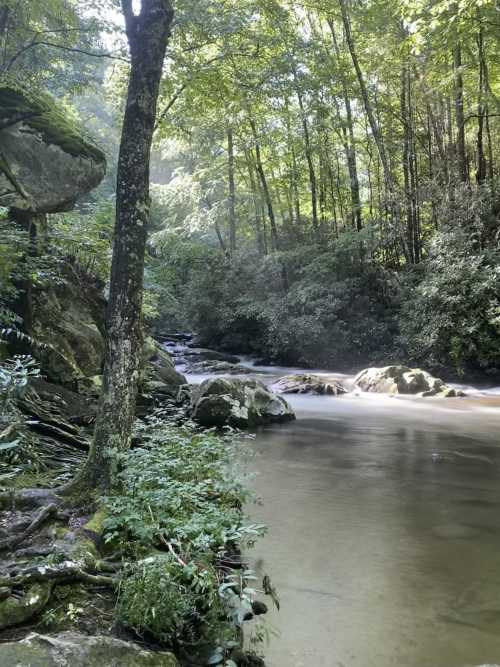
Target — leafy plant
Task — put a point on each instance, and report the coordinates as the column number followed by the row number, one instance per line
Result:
column 16, row 443
column 179, row 512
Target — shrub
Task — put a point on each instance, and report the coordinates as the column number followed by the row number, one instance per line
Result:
column 450, row 314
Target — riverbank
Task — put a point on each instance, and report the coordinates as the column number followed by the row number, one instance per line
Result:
column 158, row 563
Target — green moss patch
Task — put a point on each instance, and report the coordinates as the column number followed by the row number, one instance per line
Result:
column 43, row 114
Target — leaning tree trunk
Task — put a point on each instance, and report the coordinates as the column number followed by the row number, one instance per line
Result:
column 147, row 34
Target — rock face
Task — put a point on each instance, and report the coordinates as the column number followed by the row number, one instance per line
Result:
column 71, row 649
column 403, row 380
column 70, row 320
column 239, row 403
column 45, row 162
column 308, row 384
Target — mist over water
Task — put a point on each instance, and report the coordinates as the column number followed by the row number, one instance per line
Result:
column 384, row 529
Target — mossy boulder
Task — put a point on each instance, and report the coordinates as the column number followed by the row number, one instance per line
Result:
column 19, row 608
column 158, row 365
column 236, row 402
column 71, row 649
column 403, row 380
column 46, row 162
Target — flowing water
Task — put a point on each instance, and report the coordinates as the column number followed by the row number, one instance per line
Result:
column 384, row 529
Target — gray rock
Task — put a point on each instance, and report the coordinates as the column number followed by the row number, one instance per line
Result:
column 222, row 367
column 45, row 163
column 308, row 384
column 214, row 355
column 162, row 364
column 72, row 649
column 71, row 323
column 239, row 403
column 403, row 380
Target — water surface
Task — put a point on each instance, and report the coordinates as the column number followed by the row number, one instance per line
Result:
column 384, row 530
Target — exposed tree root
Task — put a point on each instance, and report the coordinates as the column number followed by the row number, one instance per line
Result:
column 40, row 518
column 66, row 572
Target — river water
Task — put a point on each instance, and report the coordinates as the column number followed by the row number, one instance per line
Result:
column 384, row 529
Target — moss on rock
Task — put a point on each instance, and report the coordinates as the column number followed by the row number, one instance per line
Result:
column 41, row 112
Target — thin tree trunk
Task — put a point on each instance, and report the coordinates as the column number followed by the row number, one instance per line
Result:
column 310, row 164
column 481, row 110
column 351, row 144
column 147, row 34
column 377, row 136
column 264, row 185
column 459, row 113
column 232, row 193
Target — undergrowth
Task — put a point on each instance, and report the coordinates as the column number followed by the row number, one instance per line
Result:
column 178, row 518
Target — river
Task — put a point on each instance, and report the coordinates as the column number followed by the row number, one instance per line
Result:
column 384, row 529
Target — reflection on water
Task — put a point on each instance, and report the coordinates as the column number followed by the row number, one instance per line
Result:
column 384, row 529
column 384, row 540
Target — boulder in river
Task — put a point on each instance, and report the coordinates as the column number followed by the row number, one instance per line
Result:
column 403, row 380
column 218, row 367
column 72, row 649
column 240, row 403
column 308, row 384
column 46, row 162
column 212, row 355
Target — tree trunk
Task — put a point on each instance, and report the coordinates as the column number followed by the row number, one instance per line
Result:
column 350, row 146
column 459, row 113
column 377, row 136
column 310, row 164
column 232, row 194
column 265, row 186
column 481, row 110
column 147, row 34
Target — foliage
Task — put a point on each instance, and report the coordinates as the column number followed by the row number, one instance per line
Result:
column 16, row 443
column 336, row 310
column 179, row 487
column 179, row 511
column 162, row 598
column 450, row 313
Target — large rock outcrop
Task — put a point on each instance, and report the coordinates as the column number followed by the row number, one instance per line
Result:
column 403, row 380
column 45, row 161
column 69, row 320
column 308, row 384
column 72, row 649
column 240, row 403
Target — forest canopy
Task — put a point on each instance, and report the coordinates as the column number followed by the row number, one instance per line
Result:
column 324, row 174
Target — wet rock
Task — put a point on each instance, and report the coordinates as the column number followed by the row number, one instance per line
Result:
column 46, row 162
column 162, row 364
column 308, row 384
column 216, row 367
column 240, row 403
column 259, row 607
column 211, row 355
column 403, row 380
column 71, row 649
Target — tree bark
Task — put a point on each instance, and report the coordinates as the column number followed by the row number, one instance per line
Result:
column 147, row 34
